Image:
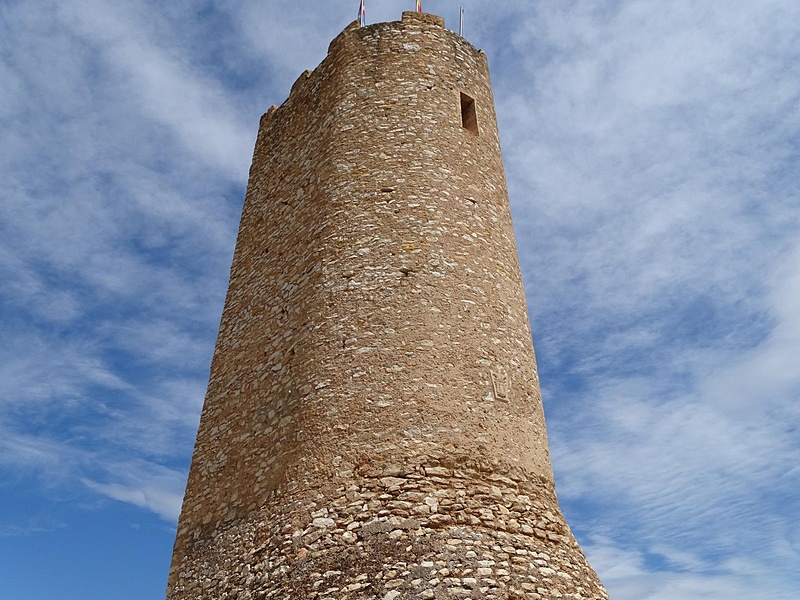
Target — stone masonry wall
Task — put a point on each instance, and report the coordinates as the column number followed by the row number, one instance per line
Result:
column 373, row 426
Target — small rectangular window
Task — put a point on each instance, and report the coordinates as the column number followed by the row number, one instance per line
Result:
column 469, row 118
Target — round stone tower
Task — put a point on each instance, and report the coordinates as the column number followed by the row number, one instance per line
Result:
column 373, row 427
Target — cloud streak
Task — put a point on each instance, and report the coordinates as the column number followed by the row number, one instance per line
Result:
column 147, row 486
column 650, row 164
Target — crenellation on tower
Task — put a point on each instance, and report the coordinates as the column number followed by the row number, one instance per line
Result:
column 373, row 425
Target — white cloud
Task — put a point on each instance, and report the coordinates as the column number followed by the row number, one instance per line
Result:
column 165, row 87
column 649, row 160
column 627, row 576
column 145, row 485
column 710, row 470
column 34, row 369
column 767, row 377
column 33, row 453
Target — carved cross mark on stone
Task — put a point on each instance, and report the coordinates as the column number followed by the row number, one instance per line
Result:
column 501, row 384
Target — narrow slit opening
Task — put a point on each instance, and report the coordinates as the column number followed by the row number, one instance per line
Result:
column 469, row 118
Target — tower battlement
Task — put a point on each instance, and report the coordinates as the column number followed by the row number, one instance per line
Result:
column 373, row 426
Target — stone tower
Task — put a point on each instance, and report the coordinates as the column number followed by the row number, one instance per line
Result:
column 373, row 427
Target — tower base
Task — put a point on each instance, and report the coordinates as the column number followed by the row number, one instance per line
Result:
column 412, row 531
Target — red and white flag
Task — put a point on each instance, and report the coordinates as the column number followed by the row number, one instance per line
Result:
column 362, row 14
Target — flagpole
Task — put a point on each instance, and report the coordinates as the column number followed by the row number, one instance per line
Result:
column 461, row 21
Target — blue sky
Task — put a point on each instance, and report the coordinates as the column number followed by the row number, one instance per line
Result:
column 651, row 151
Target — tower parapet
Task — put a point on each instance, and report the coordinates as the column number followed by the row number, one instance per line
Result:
column 373, row 426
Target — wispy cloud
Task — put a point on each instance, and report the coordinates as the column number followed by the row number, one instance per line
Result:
column 31, row 527
column 662, row 282
column 109, row 236
column 633, row 575
column 145, row 485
